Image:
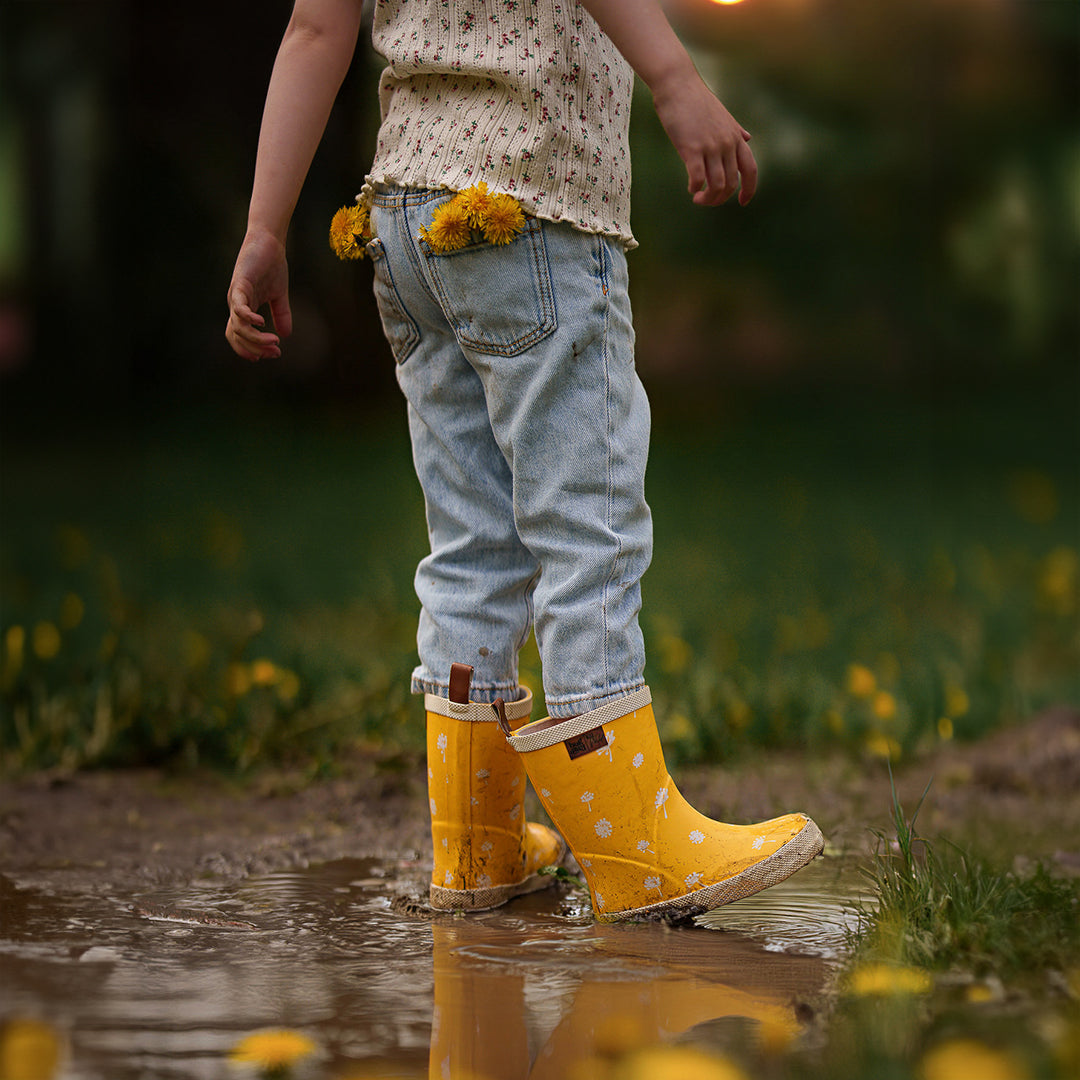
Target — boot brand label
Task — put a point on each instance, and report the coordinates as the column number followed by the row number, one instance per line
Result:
column 586, row 743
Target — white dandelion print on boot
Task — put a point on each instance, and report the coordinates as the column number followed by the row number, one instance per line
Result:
column 692, row 879
column 440, row 742
column 482, row 774
column 449, row 879
column 653, row 882
column 661, row 799
column 607, row 749
column 697, row 836
column 643, row 845
column 587, row 798
column 603, row 828
column 758, row 841
column 639, row 760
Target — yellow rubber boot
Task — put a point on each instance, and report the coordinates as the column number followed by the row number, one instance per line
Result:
column 643, row 849
column 485, row 851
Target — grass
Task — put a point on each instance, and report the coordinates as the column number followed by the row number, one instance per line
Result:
column 960, row 969
column 234, row 591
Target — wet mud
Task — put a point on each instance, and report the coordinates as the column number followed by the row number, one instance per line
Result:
column 155, row 921
column 162, row 984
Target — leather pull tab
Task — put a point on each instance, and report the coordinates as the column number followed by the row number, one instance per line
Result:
column 460, row 680
column 500, row 714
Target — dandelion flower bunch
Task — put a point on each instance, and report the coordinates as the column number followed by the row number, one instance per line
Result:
column 498, row 218
column 350, row 229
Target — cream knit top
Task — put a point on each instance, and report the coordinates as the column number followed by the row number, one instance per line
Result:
column 529, row 96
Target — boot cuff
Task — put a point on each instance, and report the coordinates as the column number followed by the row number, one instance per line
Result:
column 525, row 741
column 477, row 710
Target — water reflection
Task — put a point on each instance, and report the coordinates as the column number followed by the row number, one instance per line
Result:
column 162, row 984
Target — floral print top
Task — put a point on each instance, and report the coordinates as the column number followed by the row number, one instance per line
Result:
column 529, row 96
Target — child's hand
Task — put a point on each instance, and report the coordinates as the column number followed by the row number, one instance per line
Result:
column 712, row 144
column 261, row 277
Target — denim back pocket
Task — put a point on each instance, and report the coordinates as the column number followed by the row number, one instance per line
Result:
column 400, row 328
column 497, row 297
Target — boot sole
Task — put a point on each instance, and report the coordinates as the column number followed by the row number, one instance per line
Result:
column 801, row 849
column 492, row 896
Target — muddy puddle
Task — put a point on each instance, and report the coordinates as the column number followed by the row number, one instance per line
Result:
column 164, row 983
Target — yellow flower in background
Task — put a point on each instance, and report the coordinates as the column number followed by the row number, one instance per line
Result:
column 450, row 228
column 945, row 728
column 675, row 654
column 884, row 705
column 967, row 1059
column 46, row 640
column 476, row 201
column 878, row 744
column 957, row 701
column 15, row 642
column 263, row 672
column 861, row 682
column 504, row 220
column 881, row 980
column 29, row 1050
column 273, row 1051
column 350, row 229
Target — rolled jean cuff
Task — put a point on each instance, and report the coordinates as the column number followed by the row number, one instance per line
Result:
column 563, row 707
column 484, row 694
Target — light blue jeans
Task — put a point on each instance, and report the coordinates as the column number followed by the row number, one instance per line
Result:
column 530, row 433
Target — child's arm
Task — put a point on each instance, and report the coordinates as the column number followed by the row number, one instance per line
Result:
column 312, row 61
column 710, row 141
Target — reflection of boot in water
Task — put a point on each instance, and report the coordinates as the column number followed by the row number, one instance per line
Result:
column 485, row 851
column 609, row 1019
column 643, row 849
column 478, row 1025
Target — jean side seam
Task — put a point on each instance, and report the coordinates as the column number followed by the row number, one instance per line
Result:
column 609, row 511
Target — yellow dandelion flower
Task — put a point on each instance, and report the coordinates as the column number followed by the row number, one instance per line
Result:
column 884, row 705
column 275, row 1049
column 887, row 979
column 504, row 220
column 29, row 1050
column 349, row 228
column 449, row 228
column 957, row 701
column 861, row 682
column 237, row 679
column 46, row 640
column 881, row 745
column 960, row 1059
column 945, row 728
column 263, row 672
column 476, row 201
column 15, row 641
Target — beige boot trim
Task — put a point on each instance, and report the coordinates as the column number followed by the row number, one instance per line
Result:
column 478, row 710
column 578, row 725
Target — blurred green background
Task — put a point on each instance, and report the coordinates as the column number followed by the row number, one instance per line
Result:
column 865, row 474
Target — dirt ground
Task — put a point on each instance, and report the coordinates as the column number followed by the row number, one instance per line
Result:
column 1014, row 795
